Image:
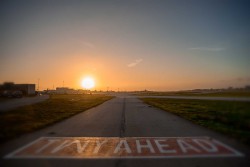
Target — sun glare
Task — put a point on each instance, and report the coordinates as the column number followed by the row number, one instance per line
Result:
column 88, row 83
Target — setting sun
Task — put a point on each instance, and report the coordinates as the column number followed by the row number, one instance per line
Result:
column 88, row 83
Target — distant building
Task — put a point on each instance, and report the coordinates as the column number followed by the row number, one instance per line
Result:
column 26, row 89
column 64, row 90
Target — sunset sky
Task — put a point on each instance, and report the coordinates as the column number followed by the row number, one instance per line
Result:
column 126, row 44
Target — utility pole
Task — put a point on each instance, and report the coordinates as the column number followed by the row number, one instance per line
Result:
column 38, row 84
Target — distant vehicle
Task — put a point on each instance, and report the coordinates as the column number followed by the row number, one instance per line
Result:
column 6, row 93
column 17, row 94
column 12, row 94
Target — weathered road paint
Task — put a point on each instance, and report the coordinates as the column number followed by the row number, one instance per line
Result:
column 131, row 147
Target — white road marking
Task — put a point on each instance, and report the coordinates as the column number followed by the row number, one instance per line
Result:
column 130, row 147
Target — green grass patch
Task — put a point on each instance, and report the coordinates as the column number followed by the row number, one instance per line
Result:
column 228, row 117
column 224, row 93
column 58, row 107
column 227, row 94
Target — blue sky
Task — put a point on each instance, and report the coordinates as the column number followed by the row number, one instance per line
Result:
column 133, row 44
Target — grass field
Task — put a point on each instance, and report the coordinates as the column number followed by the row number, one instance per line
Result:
column 57, row 107
column 225, row 93
column 228, row 117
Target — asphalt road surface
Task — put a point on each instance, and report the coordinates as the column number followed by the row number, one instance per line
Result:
column 125, row 116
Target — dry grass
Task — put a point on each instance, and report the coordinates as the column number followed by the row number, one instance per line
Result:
column 57, row 107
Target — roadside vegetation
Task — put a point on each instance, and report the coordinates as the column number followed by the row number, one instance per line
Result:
column 229, row 117
column 58, row 107
column 207, row 93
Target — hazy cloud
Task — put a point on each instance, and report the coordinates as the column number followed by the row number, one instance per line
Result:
column 88, row 44
column 132, row 64
column 207, row 49
column 84, row 43
column 239, row 79
column 243, row 79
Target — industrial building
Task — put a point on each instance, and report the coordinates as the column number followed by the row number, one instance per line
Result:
column 10, row 87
